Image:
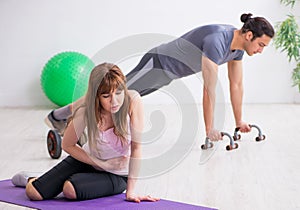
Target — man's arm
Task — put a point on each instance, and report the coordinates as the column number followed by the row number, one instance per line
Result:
column 210, row 76
column 235, row 75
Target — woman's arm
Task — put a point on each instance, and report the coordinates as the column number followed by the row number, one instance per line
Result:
column 73, row 132
column 136, row 113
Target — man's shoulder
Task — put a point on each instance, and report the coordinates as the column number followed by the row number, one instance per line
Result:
column 216, row 28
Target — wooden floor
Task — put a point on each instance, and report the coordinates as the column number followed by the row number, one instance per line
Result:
column 258, row 175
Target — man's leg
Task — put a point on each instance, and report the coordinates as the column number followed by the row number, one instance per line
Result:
column 148, row 76
column 57, row 118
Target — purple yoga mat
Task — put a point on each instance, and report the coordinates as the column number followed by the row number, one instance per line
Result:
column 16, row 195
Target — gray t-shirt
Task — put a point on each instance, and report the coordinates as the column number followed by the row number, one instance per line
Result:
column 182, row 57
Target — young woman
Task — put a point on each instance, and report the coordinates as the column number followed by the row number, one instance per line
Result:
column 108, row 162
column 202, row 49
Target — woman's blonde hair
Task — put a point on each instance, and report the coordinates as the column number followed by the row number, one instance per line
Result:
column 104, row 79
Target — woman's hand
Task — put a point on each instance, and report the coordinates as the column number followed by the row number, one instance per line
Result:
column 116, row 164
column 135, row 198
column 113, row 164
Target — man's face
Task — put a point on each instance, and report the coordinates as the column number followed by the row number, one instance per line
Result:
column 257, row 45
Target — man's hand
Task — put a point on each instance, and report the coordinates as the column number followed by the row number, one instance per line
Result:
column 244, row 127
column 214, row 135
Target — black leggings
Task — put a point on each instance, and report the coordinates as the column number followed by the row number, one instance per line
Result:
column 88, row 182
column 148, row 76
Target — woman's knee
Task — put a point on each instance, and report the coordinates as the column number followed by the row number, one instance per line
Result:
column 69, row 190
column 31, row 192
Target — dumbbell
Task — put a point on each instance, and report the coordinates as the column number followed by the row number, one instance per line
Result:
column 260, row 137
column 232, row 145
column 54, row 144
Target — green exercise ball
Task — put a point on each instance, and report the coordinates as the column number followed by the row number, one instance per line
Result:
column 65, row 77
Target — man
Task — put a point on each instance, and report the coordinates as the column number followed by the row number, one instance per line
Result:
column 201, row 49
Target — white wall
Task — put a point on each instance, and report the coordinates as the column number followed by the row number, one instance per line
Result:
column 32, row 31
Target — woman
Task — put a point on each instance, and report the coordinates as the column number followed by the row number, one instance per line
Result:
column 113, row 119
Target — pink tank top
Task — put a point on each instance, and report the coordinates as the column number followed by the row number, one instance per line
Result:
column 109, row 146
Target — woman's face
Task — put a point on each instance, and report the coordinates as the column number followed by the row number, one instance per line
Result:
column 112, row 102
